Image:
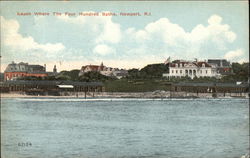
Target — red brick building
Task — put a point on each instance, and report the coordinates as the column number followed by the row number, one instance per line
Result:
column 14, row 71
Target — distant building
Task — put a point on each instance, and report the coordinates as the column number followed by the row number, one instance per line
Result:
column 89, row 68
column 54, row 69
column 106, row 71
column 16, row 70
column 178, row 69
column 223, row 66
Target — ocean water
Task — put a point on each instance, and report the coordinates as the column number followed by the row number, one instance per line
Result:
column 124, row 128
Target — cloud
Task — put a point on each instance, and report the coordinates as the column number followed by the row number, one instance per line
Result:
column 107, row 30
column 214, row 19
column 103, row 49
column 93, row 39
column 14, row 40
column 234, row 54
column 111, row 32
column 167, row 36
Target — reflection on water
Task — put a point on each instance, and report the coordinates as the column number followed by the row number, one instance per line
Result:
column 110, row 128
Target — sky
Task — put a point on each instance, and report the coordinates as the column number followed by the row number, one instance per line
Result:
column 176, row 29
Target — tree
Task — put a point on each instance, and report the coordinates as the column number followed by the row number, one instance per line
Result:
column 241, row 73
column 93, row 76
column 154, row 70
column 69, row 75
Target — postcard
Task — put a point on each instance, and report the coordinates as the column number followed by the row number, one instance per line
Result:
column 124, row 79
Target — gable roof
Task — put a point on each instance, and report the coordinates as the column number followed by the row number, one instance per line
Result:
column 182, row 63
column 92, row 67
column 202, row 62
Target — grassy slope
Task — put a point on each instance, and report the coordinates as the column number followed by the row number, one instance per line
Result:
column 125, row 85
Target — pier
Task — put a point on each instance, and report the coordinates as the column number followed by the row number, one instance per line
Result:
column 51, row 87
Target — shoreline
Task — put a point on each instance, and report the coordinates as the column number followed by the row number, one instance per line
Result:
column 139, row 95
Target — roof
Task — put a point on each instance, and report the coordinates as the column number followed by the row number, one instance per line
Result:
column 24, row 67
column 201, row 63
column 178, row 63
column 65, row 86
column 219, row 62
column 92, row 67
column 182, row 63
column 37, row 72
column 35, row 66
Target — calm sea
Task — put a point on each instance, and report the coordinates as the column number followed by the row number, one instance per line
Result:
column 124, row 128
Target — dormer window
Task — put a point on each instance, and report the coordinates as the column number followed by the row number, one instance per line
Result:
column 180, row 65
column 176, row 65
column 203, row 65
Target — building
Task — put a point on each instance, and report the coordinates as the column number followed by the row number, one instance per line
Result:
column 45, row 87
column 179, row 68
column 210, row 87
column 223, row 66
column 54, row 69
column 16, row 70
column 106, row 71
column 90, row 68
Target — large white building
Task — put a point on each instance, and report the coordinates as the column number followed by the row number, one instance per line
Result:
column 180, row 69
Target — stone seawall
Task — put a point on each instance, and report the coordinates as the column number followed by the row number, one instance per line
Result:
column 155, row 94
column 159, row 94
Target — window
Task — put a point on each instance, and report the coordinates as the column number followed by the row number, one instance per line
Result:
column 201, row 71
column 181, row 71
column 176, row 65
column 203, row 65
column 177, row 71
column 206, row 71
column 172, row 71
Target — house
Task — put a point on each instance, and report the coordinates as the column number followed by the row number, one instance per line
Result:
column 90, row 68
column 16, row 70
column 222, row 66
column 179, row 68
column 106, row 71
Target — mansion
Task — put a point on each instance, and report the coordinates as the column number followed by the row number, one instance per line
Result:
column 106, row 71
column 178, row 69
column 18, row 70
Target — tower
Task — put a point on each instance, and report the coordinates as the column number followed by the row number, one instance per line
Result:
column 101, row 67
column 54, row 69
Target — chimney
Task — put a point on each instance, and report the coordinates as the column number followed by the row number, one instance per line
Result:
column 45, row 67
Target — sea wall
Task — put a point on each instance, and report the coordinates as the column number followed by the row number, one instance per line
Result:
column 160, row 94
column 155, row 94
